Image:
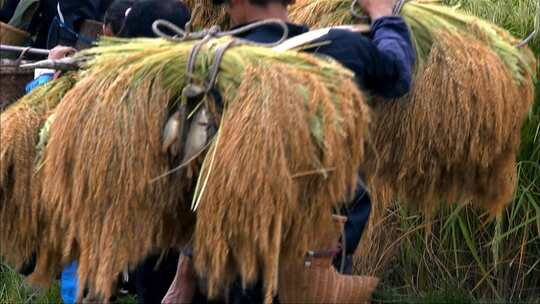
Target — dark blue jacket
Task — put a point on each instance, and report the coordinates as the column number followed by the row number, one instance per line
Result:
column 383, row 65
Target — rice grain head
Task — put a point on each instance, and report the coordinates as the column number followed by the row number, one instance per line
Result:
column 259, row 211
column 19, row 132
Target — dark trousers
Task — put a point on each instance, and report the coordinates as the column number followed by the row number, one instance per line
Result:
column 153, row 280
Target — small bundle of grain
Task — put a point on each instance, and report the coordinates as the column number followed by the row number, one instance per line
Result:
column 321, row 13
column 20, row 125
column 108, row 209
column 454, row 137
column 204, row 14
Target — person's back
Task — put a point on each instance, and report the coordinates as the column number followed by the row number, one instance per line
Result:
column 382, row 63
column 129, row 19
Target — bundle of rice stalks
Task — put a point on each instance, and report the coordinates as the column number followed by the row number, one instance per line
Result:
column 20, row 125
column 454, row 138
column 204, row 14
column 303, row 116
column 103, row 154
column 300, row 148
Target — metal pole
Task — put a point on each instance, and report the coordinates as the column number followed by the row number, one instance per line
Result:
column 19, row 50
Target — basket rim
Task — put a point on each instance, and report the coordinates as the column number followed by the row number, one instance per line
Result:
column 13, row 29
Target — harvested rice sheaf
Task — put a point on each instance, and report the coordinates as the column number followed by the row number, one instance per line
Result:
column 265, row 201
column 454, row 137
column 100, row 162
column 20, row 125
column 204, row 14
column 108, row 209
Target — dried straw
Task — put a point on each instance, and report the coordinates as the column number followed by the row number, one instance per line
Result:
column 321, row 13
column 103, row 153
column 19, row 132
column 204, row 14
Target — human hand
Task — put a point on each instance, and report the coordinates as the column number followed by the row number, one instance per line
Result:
column 60, row 51
column 377, row 8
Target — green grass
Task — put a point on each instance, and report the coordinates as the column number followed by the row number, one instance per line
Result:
column 13, row 289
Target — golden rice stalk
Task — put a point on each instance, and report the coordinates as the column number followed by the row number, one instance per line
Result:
column 19, row 132
column 274, row 184
column 102, row 157
column 455, row 138
column 103, row 205
column 204, row 14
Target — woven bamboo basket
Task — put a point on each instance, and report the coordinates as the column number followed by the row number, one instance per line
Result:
column 315, row 280
column 12, row 82
column 12, row 35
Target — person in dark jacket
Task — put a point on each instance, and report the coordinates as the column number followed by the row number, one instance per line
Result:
column 60, row 20
column 382, row 62
column 128, row 19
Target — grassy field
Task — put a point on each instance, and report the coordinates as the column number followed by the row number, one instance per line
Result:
column 460, row 259
column 14, row 290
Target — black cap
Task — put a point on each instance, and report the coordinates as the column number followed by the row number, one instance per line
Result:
column 143, row 13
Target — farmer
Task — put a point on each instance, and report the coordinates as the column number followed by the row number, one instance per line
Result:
column 128, row 19
column 382, row 63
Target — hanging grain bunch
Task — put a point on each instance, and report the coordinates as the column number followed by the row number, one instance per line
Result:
column 455, row 136
column 104, row 154
column 273, row 185
column 20, row 125
column 427, row 19
column 204, row 14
